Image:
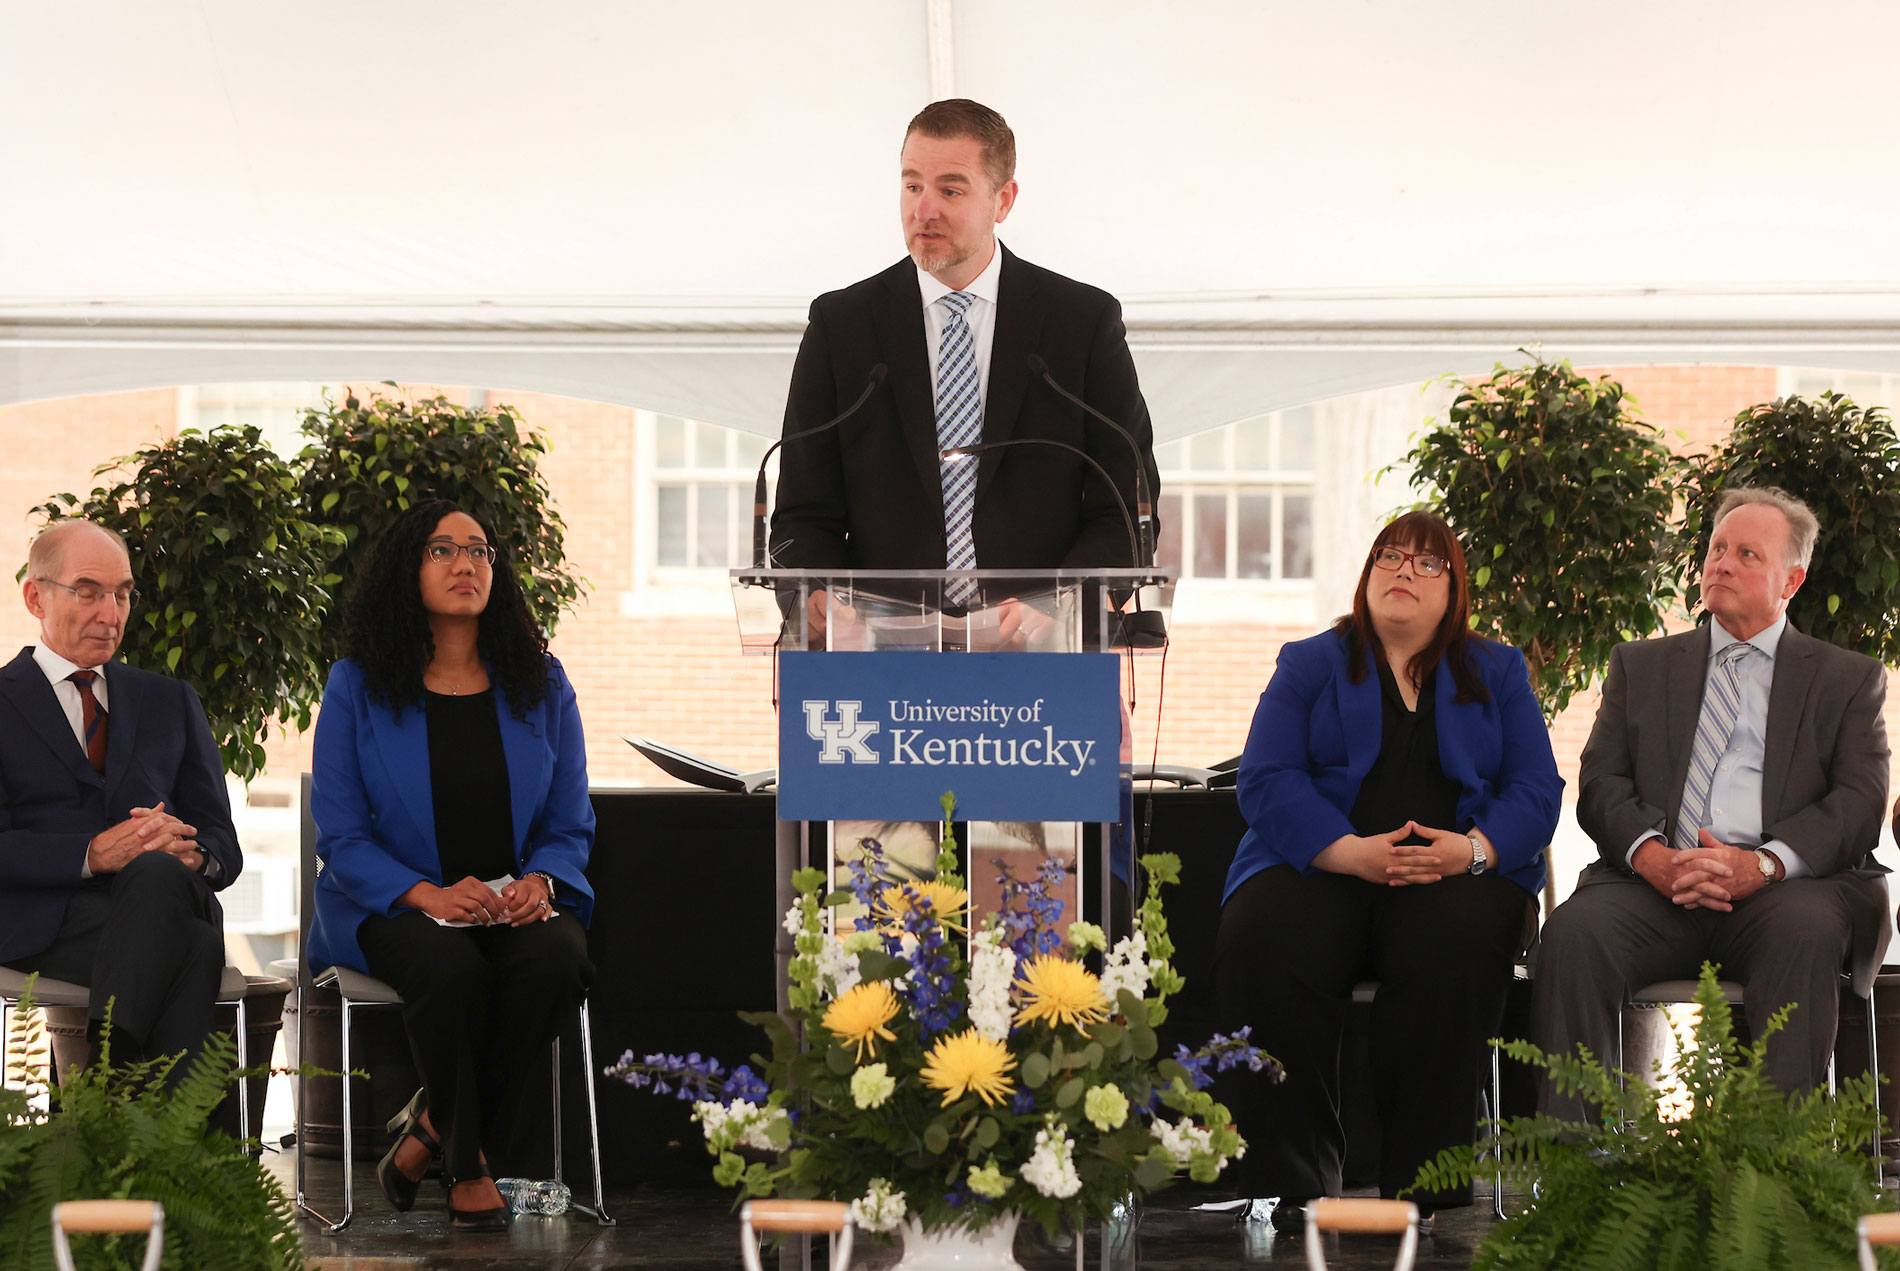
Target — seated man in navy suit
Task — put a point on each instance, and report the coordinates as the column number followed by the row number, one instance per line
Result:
column 115, row 829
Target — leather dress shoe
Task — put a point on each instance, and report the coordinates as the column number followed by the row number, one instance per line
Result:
column 495, row 1219
column 407, row 1124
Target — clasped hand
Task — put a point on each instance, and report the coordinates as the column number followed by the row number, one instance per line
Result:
column 1712, row 875
column 1382, row 858
column 147, row 830
column 472, row 901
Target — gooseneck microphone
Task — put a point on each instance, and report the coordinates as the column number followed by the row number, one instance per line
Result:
column 759, row 559
column 1144, row 507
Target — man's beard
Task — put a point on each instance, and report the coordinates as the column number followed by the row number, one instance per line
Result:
column 947, row 257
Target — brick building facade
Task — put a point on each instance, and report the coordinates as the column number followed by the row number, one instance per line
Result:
column 652, row 649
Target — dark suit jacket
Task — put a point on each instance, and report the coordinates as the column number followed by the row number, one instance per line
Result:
column 1824, row 770
column 52, row 803
column 374, row 805
column 868, row 495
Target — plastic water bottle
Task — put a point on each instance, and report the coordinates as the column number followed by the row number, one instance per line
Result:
column 543, row 1197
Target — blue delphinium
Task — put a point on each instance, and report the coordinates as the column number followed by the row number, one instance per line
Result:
column 1031, row 911
column 745, row 1084
column 1223, row 1052
column 691, row 1078
column 930, row 989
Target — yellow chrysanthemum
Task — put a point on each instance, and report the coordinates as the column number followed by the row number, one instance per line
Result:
column 858, row 1017
column 969, row 1063
column 943, row 900
column 1062, row 992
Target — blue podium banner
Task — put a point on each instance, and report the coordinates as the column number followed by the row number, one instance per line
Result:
column 1016, row 736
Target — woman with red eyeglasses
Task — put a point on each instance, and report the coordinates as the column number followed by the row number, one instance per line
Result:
column 1399, row 791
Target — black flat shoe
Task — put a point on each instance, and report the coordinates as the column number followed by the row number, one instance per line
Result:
column 398, row 1186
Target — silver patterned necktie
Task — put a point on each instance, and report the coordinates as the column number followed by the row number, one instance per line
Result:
column 959, row 423
column 1721, row 705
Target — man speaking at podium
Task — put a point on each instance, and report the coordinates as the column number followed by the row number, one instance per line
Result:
column 966, row 331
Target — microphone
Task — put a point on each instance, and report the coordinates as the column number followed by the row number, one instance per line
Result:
column 759, row 560
column 1144, row 507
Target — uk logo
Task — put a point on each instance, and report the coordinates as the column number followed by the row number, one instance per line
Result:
column 844, row 737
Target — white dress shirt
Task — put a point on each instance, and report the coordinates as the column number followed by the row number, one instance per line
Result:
column 1735, row 810
column 981, row 317
column 56, row 669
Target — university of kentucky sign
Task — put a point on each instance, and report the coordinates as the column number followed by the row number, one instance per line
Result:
column 881, row 736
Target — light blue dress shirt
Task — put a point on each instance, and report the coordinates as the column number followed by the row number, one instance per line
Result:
column 1735, row 792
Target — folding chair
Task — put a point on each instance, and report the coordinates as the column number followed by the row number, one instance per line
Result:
column 1682, row 992
column 1362, row 1217
column 1876, row 1229
column 356, row 990
column 109, row 1218
column 806, row 1217
column 232, row 990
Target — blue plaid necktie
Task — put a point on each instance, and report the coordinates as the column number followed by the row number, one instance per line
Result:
column 1721, row 704
column 959, row 423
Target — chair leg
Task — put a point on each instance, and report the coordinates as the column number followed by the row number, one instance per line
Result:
column 244, row 1083
column 554, row 1083
column 349, row 1124
column 599, row 1211
column 6, row 1038
column 1497, row 1117
column 303, row 1105
column 1873, row 1071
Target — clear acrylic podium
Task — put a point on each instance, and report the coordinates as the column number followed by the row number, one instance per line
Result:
column 950, row 611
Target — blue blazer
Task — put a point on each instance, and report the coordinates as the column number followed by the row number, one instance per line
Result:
column 375, row 809
column 158, row 748
column 1316, row 735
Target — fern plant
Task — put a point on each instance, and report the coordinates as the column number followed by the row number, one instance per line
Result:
column 1748, row 1178
column 123, row 1131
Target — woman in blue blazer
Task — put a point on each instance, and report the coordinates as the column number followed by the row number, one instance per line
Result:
column 1399, row 792
column 453, row 824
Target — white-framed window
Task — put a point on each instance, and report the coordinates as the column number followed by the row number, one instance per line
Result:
column 1237, row 501
column 693, row 485
column 276, row 409
column 1867, row 388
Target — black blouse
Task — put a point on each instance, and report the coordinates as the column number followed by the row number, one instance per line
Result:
column 468, row 775
column 1406, row 783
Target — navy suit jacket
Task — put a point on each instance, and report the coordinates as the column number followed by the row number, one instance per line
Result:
column 869, row 494
column 374, row 805
column 159, row 749
column 1316, row 735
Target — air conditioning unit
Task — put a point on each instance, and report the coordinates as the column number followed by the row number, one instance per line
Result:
column 263, row 900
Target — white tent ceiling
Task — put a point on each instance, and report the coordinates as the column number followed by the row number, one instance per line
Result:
column 635, row 201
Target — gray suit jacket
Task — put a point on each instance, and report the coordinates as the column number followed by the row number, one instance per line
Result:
column 1824, row 773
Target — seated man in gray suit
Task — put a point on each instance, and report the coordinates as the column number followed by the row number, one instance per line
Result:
column 1734, row 783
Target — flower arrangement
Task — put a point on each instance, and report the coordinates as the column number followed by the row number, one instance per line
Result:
column 921, row 1081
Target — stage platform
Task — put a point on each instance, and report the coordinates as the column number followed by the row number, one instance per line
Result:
column 690, row 1229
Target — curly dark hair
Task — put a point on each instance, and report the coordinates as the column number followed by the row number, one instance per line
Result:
column 386, row 631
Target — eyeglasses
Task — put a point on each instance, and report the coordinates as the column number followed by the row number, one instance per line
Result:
column 92, row 593
column 1427, row 565
column 443, row 552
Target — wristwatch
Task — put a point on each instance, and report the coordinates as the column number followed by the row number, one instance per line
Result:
column 1478, row 864
column 1766, row 860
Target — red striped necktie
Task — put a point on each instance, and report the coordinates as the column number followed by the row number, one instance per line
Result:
column 92, row 719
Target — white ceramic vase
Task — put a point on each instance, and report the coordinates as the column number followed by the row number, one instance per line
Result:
column 959, row 1248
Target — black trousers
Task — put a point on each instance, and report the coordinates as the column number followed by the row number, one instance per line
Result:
column 149, row 940
column 1289, row 950
column 480, row 1004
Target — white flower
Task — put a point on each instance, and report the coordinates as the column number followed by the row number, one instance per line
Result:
column 992, row 968
column 880, row 1208
column 1186, row 1141
column 794, row 923
column 1051, row 1167
column 740, row 1123
column 1126, row 967
column 837, row 968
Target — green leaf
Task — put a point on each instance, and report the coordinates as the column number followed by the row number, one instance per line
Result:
column 1070, row 1091
column 987, row 1132
column 936, row 1138
column 1035, row 1069
column 171, row 658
